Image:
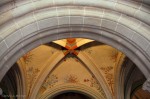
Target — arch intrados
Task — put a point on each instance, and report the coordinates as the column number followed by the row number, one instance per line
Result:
column 133, row 5
column 63, row 88
column 76, row 91
column 33, row 41
column 135, row 44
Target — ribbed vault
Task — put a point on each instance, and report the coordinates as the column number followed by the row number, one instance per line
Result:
column 122, row 24
column 87, row 62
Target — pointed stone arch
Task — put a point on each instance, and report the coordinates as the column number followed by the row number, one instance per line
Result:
column 47, row 20
column 71, row 88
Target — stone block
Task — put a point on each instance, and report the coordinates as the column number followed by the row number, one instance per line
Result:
column 92, row 21
column 108, row 24
column 141, row 41
column 50, row 22
column 76, row 20
column 3, row 47
column 128, row 33
column 27, row 30
column 13, row 38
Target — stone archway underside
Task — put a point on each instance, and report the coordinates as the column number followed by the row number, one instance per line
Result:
column 71, row 87
column 30, row 23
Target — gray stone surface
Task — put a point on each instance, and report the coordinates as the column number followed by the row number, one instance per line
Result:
column 34, row 45
column 77, row 13
column 21, row 2
column 146, row 85
column 141, row 41
column 62, row 11
column 108, row 24
column 148, row 50
column 29, row 29
column 48, row 23
column 12, row 60
column 64, row 20
column 3, row 47
column 92, row 21
column 70, row 2
column 1, row 63
column 142, row 15
column 13, row 38
column 48, row 39
column 13, row 51
column 76, row 20
column 1, row 39
column 64, row 35
column 124, row 31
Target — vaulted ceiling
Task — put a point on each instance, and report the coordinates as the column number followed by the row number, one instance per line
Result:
column 72, row 60
column 77, row 65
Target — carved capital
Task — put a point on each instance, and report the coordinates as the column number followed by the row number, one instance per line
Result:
column 146, row 85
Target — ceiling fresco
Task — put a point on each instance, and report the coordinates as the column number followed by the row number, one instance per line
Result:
column 71, row 71
column 60, row 62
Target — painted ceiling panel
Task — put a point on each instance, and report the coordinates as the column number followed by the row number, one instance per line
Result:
column 70, row 68
column 33, row 62
column 105, row 58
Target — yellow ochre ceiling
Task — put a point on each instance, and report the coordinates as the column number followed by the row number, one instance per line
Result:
column 71, row 61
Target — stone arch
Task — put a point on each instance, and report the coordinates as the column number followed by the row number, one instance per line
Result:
column 125, row 29
column 73, row 88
